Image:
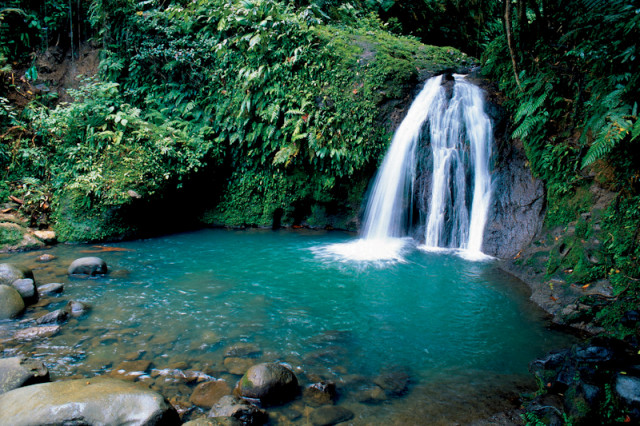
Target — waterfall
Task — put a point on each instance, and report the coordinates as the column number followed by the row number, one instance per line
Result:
column 451, row 125
column 387, row 209
column 459, row 136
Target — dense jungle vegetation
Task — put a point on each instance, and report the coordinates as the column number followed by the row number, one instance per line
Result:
column 280, row 107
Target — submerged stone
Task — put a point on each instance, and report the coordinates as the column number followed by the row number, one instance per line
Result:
column 321, row 393
column 207, row 394
column 330, row 415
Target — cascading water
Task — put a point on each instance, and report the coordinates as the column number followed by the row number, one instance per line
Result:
column 459, row 136
column 460, row 140
column 387, row 209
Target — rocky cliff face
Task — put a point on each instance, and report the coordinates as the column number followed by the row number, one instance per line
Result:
column 517, row 210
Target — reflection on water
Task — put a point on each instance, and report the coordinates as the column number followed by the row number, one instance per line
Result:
column 210, row 303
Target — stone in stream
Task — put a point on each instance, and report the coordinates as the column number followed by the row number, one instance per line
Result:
column 18, row 371
column 96, row 401
column 90, row 266
column 271, row 383
column 10, row 272
column 76, row 308
column 50, row 289
column 131, row 370
column 242, row 350
column 246, row 413
column 207, row 394
column 329, row 415
column 214, row 421
column 59, row 316
column 321, row 393
column 394, row 382
column 238, row 366
column 27, row 289
column 11, row 303
column 33, row 333
column 44, row 258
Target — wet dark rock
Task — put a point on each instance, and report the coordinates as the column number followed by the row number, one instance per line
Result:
column 11, row 303
column 631, row 318
column 372, row 395
column 27, row 289
column 76, row 308
column 59, row 316
column 270, row 383
column 10, row 272
column 580, row 381
column 231, row 406
column 17, row 372
column 517, row 209
column 321, row 393
column 548, row 409
column 90, row 266
column 86, row 401
column 51, row 289
column 395, row 382
column 329, row 415
column 207, row 394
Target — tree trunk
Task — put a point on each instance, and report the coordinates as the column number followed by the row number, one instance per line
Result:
column 510, row 42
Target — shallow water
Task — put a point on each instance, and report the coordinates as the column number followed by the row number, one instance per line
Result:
column 182, row 301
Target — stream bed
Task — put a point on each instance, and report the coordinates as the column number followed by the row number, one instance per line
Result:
column 452, row 337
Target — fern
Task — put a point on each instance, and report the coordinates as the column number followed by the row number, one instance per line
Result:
column 609, row 137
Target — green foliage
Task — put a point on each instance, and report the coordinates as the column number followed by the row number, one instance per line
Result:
column 9, row 236
column 291, row 102
column 575, row 111
column 282, row 98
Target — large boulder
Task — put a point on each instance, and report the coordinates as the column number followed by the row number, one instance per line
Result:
column 17, row 372
column 11, row 303
column 90, row 266
column 27, row 289
column 10, row 272
column 271, row 383
column 97, row 401
column 231, row 406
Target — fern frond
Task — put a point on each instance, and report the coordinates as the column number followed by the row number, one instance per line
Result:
column 608, row 139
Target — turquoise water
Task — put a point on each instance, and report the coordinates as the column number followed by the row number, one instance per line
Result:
column 182, row 301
